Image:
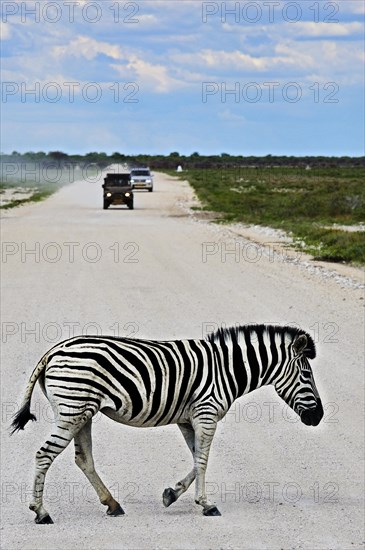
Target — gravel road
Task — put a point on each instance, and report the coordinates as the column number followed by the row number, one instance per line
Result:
column 68, row 267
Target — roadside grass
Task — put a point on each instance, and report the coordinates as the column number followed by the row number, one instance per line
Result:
column 17, row 188
column 304, row 203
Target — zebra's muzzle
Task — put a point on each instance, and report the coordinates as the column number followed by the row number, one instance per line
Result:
column 312, row 417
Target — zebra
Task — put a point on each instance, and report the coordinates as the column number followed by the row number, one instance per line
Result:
column 145, row 383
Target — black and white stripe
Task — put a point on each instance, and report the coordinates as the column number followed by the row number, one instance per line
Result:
column 146, row 383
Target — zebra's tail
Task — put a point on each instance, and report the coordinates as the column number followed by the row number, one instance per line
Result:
column 22, row 417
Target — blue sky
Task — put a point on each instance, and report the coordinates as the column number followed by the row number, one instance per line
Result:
column 251, row 77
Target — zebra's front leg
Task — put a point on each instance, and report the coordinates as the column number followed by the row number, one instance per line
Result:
column 171, row 495
column 204, row 433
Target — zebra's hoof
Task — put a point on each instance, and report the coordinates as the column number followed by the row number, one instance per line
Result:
column 211, row 511
column 46, row 520
column 117, row 512
column 168, row 496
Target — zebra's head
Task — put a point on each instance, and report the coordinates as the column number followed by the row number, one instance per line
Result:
column 297, row 386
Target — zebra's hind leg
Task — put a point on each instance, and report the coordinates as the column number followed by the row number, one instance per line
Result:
column 84, row 460
column 57, row 442
column 171, row 495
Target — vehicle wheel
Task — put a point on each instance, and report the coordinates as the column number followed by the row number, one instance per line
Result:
column 105, row 205
column 150, row 190
column 131, row 206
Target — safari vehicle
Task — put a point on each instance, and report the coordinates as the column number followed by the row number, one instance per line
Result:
column 141, row 178
column 117, row 189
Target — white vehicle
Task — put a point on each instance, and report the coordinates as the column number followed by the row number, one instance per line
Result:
column 141, row 178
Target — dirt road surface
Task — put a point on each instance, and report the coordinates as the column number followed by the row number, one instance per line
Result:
column 68, row 267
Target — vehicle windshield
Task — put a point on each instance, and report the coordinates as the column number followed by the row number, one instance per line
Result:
column 140, row 173
column 118, row 180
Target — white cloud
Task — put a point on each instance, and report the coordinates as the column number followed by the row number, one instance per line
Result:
column 84, row 46
column 330, row 56
column 146, row 19
column 353, row 6
column 154, row 77
column 300, row 29
column 294, row 55
column 307, row 28
column 237, row 60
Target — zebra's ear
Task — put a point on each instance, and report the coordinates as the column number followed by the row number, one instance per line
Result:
column 299, row 344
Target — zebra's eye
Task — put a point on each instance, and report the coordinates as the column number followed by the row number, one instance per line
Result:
column 306, row 374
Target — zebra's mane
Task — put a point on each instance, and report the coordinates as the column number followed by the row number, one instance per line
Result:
column 232, row 333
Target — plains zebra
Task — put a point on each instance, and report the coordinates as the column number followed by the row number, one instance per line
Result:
column 143, row 383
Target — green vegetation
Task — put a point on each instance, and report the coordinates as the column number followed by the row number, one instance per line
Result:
column 195, row 160
column 33, row 194
column 303, row 202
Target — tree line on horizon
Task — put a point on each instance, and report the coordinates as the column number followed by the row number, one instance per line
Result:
column 193, row 161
